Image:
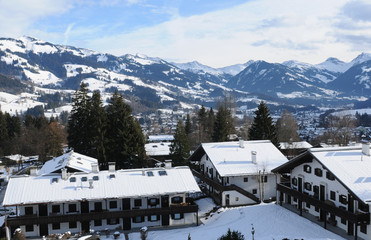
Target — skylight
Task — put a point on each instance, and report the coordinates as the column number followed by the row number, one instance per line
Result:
column 162, row 173
column 95, row 178
column 72, row 179
column 84, row 179
column 150, row 174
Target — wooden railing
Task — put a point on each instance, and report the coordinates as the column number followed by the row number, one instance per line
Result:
column 28, row 220
column 358, row 218
column 222, row 188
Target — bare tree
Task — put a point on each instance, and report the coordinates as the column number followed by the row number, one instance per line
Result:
column 287, row 128
column 340, row 129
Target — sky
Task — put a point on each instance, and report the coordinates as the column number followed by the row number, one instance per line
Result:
column 217, row 33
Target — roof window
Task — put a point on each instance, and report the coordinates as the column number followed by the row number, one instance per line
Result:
column 84, row 179
column 79, row 162
column 150, row 174
column 162, row 173
column 112, row 176
column 54, row 180
column 72, row 179
column 95, row 178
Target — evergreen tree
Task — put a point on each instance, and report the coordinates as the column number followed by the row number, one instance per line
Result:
column 125, row 143
column 78, row 122
column 179, row 148
column 232, row 235
column 223, row 124
column 210, row 123
column 3, row 133
column 263, row 127
column 188, row 125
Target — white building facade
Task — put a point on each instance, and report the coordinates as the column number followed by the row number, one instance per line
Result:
column 114, row 200
column 239, row 173
column 331, row 184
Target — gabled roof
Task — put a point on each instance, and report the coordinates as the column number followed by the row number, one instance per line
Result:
column 72, row 160
column 349, row 165
column 230, row 159
column 119, row 184
column 295, row 145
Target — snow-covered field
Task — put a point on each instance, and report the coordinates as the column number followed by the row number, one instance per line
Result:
column 269, row 220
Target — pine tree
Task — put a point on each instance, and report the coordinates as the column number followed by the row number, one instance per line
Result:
column 223, row 124
column 78, row 122
column 263, row 127
column 179, row 148
column 232, row 235
column 188, row 125
column 3, row 133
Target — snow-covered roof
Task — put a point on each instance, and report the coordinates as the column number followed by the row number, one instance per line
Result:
column 295, row 145
column 160, row 138
column 230, row 159
column 119, row 184
column 350, row 166
column 158, row 149
column 71, row 159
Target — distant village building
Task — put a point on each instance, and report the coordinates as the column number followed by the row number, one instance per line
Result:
column 160, row 138
column 331, row 185
column 113, row 199
column 292, row 149
column 238, row 173
column 159, row 151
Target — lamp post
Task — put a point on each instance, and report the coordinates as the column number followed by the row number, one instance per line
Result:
column 252, row 231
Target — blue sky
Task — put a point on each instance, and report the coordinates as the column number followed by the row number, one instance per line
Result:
column 214, row 32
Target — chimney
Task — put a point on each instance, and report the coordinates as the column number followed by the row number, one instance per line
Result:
column 143, row 172
column 241, row 142
column 253, row 156
column 90, row 183
column 33, row 171
column 366, row 149
column 111, row 166
column 94, row 168
column 64, row 174
column 168, row 164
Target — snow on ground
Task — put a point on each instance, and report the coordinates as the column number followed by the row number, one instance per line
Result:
column 14, row 104
column 205, row 205
column 269, row 220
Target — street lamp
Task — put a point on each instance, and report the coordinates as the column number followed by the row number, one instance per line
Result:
column 252, row 231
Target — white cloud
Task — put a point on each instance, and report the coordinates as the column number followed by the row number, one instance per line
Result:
column 268, row 29
column 17, row 16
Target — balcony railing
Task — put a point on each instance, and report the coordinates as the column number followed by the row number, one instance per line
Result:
column 28, row 220
column 358, row 218
column 219, row 187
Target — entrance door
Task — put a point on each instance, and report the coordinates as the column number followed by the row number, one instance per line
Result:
column 43, row 210
column 85, row 207
column 322, row 215
column 126, row 223
column 126, row 204
column 165, row 220
column 350, row 209
column 227, row 202
column 85, row 227
column 44, row 229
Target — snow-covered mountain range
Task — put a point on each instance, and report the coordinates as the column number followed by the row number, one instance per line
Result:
column 154, row 82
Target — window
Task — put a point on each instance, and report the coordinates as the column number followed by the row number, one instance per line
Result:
column 316, row 209
column 28, row 210
column 113, row 221
column 207, row 158
column 84, row 179
column 72, row 208
column 318, row 172
column 97, row 206
column 363, row 207
column 364, row 228
column 295, row 200
column 153, row 218
column 113, row 204
column 176, row 200
column 150, row 174
column 330, row 176
column 236, row 199
column 137, row 202
column 72, row 224
column 72, row 179
column 54, row 180
column 308, row 186
column 56, row 208
column 316, row 192
column 332, row 195
column 254, row 191
column 95, row 178
column 307, row 168
column 177, row 216
column 138, row 219
column 245, row 179
column 56, row 226
column 264, row 178
column 294, row 181
column 343, row 221
column 29, row 228
column 343, row 199
column 162, row 173
column 153, row 201
column 98, row 222
column 112, row 176
column 307, row 205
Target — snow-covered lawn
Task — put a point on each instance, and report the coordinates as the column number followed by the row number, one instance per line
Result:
column 270, row 222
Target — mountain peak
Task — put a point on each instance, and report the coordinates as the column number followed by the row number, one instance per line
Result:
column 363, row 57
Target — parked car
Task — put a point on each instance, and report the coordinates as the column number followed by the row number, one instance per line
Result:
column 7, row 211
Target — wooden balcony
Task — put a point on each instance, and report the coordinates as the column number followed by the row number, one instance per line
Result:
column 28, row 220
column 219, row 187
column 327, row 206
